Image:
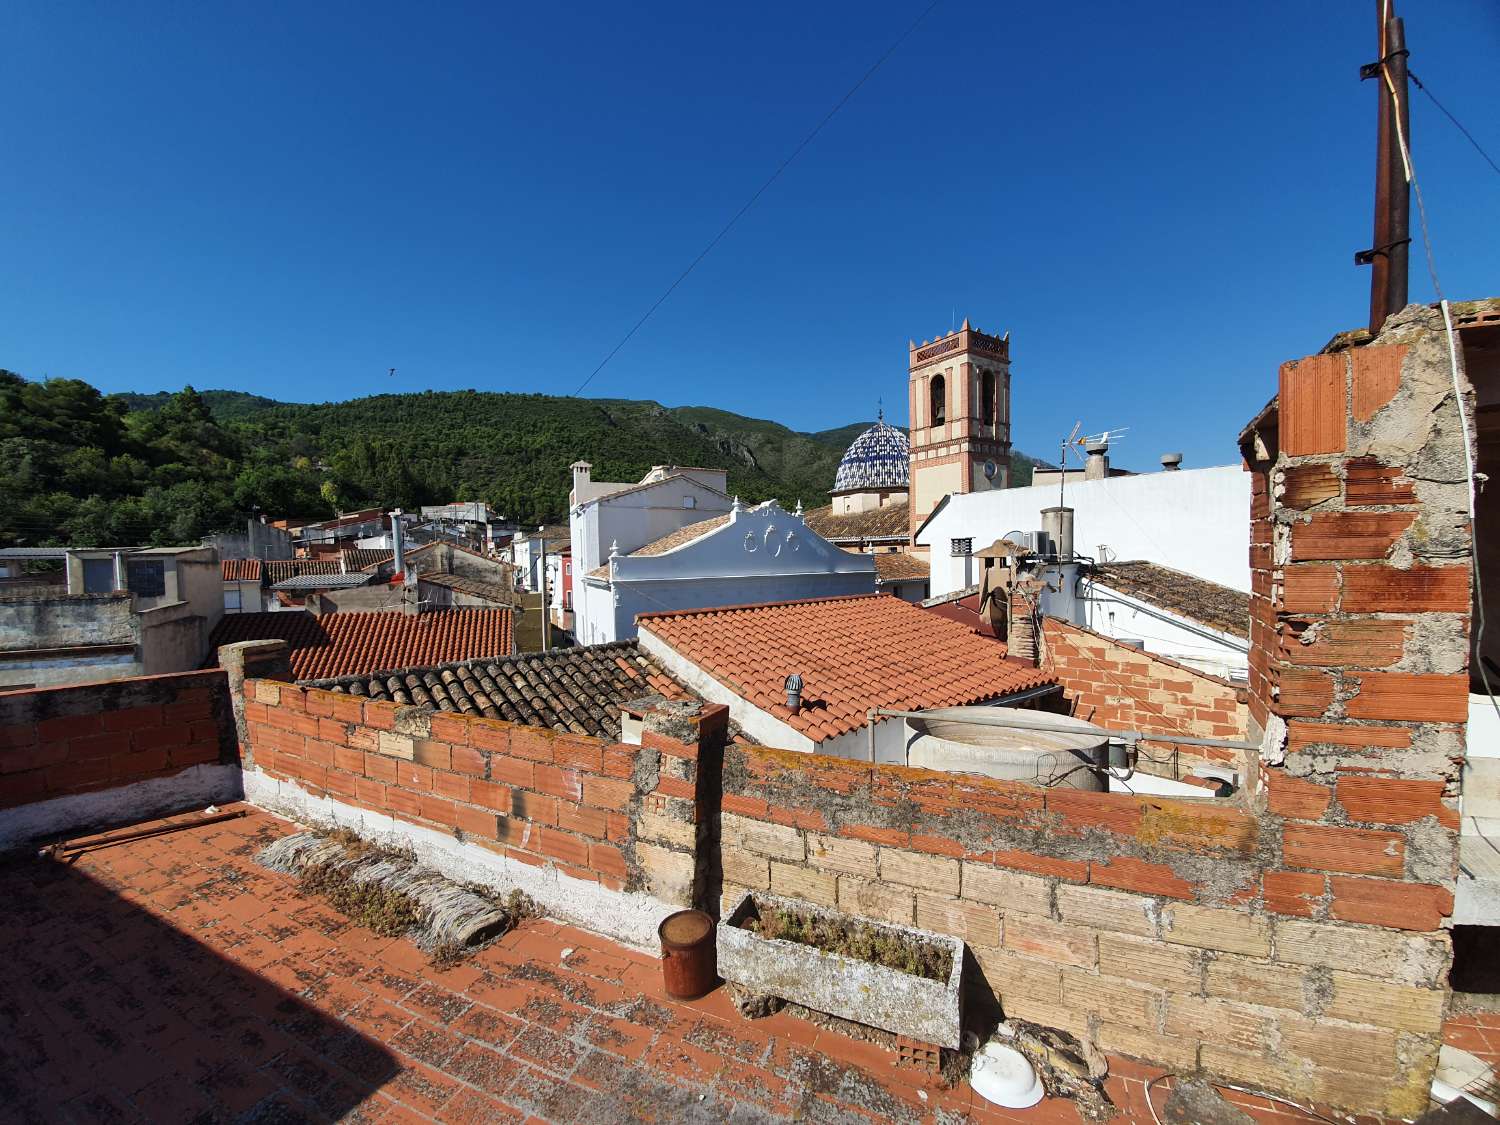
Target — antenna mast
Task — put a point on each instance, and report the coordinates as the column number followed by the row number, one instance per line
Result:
column 1387, row 258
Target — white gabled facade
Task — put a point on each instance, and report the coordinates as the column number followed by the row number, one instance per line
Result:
column 1191, row 520
column 760, row 554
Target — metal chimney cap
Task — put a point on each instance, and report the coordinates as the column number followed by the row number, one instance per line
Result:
column 1171, row 461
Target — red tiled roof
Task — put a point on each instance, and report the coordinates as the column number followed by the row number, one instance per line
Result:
column 241, row 570
column 279, row 570
column 898, row 566
column 351, row 644
column 853, row 653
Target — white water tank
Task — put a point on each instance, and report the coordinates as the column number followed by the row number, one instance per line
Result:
column 1047, row 749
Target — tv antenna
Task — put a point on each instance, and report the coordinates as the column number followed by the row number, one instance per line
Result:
column 1062, row 474
column 391, row 372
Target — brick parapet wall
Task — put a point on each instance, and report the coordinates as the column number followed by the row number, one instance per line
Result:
column 1190, row 933
column 1124, row 688
column 625, row 816
column 85, row 738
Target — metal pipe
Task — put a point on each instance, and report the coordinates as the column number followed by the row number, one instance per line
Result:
column 1400, row 189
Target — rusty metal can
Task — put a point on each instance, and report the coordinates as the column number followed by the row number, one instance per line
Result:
column 689, row 958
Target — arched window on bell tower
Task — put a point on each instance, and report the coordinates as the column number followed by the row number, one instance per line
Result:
column 987, row 398
column 939, row 401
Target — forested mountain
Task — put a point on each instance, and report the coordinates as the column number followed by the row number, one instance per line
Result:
column 82, row 468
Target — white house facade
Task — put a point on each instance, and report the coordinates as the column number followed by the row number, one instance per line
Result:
column 1192, row 520
column 747, row 555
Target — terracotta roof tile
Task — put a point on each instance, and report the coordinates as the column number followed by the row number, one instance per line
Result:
column 1187, row 595
column 898, row 566
column 853, row 653
column 682, row 536
column 460, row 584
column 241, row 570
column 889, row 522
column 345, row 644
column 575, row 689
column 279, row 570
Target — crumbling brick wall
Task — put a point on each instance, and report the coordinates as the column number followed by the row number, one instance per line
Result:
column 84, row 738
column 1124, row 688
column 628, row 817
column 1187, row 933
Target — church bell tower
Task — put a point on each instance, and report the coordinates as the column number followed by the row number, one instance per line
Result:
column 960, row 417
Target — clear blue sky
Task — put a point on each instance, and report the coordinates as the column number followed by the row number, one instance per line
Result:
column 1158, row 201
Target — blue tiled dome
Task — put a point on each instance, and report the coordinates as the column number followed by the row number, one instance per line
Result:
column 876, row 459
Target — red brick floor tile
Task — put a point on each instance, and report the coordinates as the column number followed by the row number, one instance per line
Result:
column 488, row 1026
column 156, row 976
column 470, row 1107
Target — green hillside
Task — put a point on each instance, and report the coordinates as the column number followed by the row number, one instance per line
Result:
column 168, row 468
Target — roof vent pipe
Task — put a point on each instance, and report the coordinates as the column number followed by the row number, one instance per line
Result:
column 1171, row 462
column 794, row 693
column 397, row 546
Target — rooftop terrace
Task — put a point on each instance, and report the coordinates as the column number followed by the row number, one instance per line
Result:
column 172, row 978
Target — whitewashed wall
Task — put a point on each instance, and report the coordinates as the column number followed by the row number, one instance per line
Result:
column 763, row 554
column 1196, row 520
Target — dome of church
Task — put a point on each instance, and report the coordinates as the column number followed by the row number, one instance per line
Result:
column 876, row 459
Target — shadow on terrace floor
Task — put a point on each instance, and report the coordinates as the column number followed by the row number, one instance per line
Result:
column 113, row 1011
column 172, row 979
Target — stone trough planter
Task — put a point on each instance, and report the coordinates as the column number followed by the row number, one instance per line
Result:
column 890, row 999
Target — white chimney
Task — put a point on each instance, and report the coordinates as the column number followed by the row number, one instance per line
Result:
column 1171, row 462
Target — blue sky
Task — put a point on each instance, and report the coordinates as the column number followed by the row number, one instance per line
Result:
column 1158, row 202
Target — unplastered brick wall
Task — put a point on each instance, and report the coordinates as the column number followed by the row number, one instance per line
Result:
column 1123, row 688
column 85, row 738
column 1194, row 934
column 629, row 817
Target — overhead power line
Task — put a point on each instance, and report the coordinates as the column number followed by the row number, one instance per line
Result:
column 749, row 203
column 1456, row 122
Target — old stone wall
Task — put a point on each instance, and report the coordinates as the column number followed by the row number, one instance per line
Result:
column 1193, row 934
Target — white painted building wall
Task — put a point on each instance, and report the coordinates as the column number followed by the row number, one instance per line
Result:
column 1194, row 520
column 762, row 554
column 1117, row 614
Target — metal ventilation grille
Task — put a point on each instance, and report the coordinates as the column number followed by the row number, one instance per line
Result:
column 961, row 548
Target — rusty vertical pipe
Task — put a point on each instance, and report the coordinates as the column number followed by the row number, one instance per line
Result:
column 1380, row 265
column 1399, row 190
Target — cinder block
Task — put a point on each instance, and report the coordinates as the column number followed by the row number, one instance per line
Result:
column 871, row 898
column 797, row 881
column 1269, row 983
column 848, row 857
column 1057, row 942
column 1169, row 966
column 1222, row 1022
column 1285, row 1075
column 925, row 872
column 397, row 746
column 1119, row 1001
column 747, row 869
column 1401, row 958
column 1209, row 927
column 1009, row 890
column 1163, row 1050
column 976, row 923
column 777, row 841
column 669, row 875
column 1107, row 910
column 666, row 830
column 1362, row 1000
column 1368, row 1050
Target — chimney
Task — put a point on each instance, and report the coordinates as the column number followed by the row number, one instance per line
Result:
column 1020, row 637
column 396, row 544
column 582, row 473
column 1171, row 462
column 1097, row 465
column 1057, row 526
